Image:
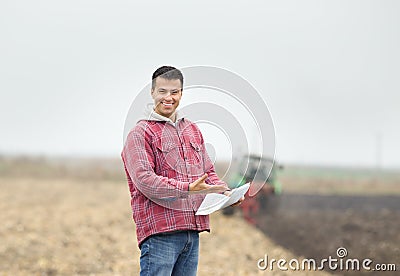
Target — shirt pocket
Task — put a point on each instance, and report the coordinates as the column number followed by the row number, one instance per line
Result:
column 195, row 152
column 194, row 162
column 167, row 156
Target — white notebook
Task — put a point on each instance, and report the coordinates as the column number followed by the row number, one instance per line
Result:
column 214, row 202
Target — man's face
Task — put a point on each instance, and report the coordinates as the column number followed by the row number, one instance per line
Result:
column 166, row 95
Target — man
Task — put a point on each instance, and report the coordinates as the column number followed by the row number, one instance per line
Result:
column 168, row 172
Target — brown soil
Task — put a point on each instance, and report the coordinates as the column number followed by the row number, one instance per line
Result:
column 84, row 227
column 317, row 225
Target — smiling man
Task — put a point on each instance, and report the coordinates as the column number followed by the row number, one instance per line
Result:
column 168, row 172
column 166, row 94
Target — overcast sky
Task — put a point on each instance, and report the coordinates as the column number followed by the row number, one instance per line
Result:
column 328, row 71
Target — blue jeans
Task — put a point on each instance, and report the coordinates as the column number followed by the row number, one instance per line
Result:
column 175, row 253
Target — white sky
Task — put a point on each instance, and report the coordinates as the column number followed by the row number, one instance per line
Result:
column 328, row 70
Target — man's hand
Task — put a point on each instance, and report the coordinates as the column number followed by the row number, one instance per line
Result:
column 200, row 186
column 228, row 193
column 238, row 202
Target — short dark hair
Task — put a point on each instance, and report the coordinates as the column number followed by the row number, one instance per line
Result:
column 167, row 72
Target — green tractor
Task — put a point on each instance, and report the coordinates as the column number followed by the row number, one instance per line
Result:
column 263, row 195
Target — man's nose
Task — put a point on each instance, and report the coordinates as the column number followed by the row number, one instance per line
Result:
column 168, row 96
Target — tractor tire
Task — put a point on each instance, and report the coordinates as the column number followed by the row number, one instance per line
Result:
column 228, row 211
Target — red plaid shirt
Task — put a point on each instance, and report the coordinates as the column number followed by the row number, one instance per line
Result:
column 161, row 160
